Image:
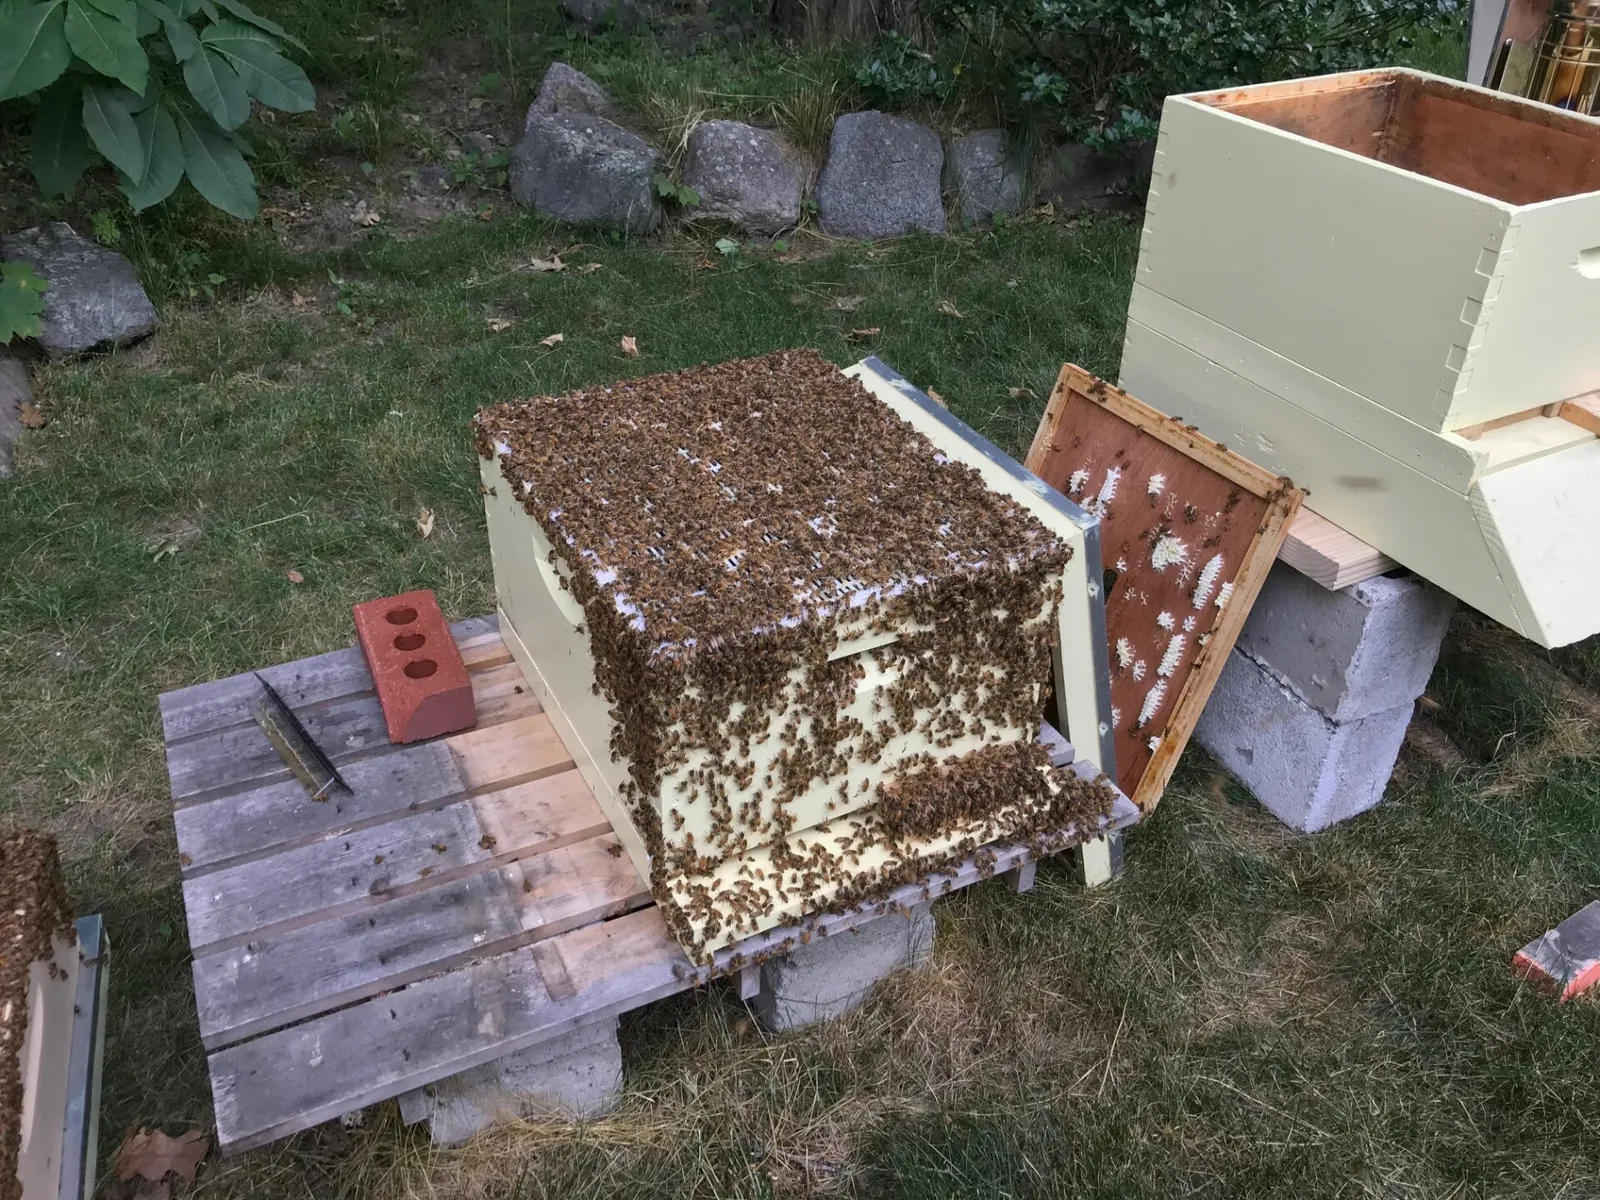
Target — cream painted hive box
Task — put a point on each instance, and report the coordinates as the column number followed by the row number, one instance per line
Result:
column 794, row 629
column 1385, row 285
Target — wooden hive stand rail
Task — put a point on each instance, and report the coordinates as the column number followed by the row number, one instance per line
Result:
column 467, row 899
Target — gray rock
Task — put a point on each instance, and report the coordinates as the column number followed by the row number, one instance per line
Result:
column 984, row 175
column 14, row 393
column 882, row 178
column 599, row 14
column 1075, row 178
column 568, row 90
column 94, row 298
column 742, row 175
column 584, row 168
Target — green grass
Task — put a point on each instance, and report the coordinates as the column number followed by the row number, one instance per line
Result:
column 1246, row 1013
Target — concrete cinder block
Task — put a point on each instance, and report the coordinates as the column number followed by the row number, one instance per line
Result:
column 576, row 1076
column 830, row 976
column 1351, row 653
column 1309, row 770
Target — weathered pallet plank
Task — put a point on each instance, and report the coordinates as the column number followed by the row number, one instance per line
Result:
column 226, row 760
column 511, row 752
column 567, row 876
column 203, row 707
column 313, row 1072
column 282, row 815
column 265, row 897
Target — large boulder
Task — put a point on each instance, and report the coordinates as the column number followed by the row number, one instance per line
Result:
column 567, row 90
column 984, row 175
column 626, row 15
column 94, row 298
column 882, row 178
column 743, row 175
column 1075, row 178
column 583, row 168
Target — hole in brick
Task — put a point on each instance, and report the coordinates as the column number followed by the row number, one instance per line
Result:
column 401, row 616
column 422, row 668
column 409, row 641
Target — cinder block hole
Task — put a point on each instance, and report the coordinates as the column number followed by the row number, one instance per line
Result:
column 422, row 668
column 409, row 641
column 401, row 616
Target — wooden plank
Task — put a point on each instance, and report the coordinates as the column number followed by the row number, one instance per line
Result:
column 188, row 711
column 312, row 1072
column 1321, row 551
column 282, row 815
column 235, row 756
column 1352, row 118
column 1188, row 533
column 512, row 752
column 1584, row 412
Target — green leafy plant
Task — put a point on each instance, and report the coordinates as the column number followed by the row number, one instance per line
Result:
column 673, row 192
column 21, row 301
column 900, row 73
column 729, row 249
column 156, row 94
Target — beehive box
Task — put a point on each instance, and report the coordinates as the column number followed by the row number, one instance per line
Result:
column 38, row 987
column 795, row 632
column 1378, row 283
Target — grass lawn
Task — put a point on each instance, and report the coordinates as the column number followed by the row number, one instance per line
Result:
column 1245, row 1013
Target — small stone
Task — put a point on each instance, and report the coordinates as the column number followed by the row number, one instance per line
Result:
column 600, row 14
column 583, row 168
column 566, row 90
column 94, row 298
column 984, row 175
column 433, row 181
column 882, row 178
column 743, row 175
column 14, row 393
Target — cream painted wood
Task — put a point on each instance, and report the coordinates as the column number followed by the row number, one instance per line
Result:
column 43, row 1060
column 1447, row 307
column 1075, row 668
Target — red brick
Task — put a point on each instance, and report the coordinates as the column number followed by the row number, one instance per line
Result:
column 1566, row 959
column 422, row 682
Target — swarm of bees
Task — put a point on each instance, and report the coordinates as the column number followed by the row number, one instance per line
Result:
column 725, row 528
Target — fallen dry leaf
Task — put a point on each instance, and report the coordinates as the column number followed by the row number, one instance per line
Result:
column 847, row 303
column 1020, row 393
column 630, row 347
column 555, row 339
column 299, row 301
column 947, row 309
column 793, row 256
column 589, row 268
column 363, row 216
column 544, row 266
column 861, row 335
column 33, row 418
column 425, row 522
column 485, row 214
column 295, row 577
column 706, row 264
column 500, row 324
column 936, row 398
column 150, row 1154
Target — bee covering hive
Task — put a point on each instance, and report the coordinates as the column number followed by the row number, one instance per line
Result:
column 798, row 651
column 38, row 969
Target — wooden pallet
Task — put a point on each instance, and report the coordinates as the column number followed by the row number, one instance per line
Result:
column 467, row 899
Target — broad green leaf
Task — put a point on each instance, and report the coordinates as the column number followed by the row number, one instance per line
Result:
column 21, row 301
column 215, row 166
column 60, row 146
column 268, row 76
column 123, row 10
column 218, row 88
column 250, row 17
column 163, row 159
column 33, row 48
column 108, row 118
column 180, row 34
column 106, row 44
column 146, row 23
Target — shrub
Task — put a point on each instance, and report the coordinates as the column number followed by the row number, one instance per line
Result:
column 1103, row 67
column 106, row 74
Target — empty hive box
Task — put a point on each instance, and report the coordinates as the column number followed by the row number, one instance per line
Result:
column 38, row 988
column 798, row 648
column 1385, row 284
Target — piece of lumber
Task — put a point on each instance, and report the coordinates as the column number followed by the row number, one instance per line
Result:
column 1582, row 411
column 1188, row 531
column 1321, row 551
